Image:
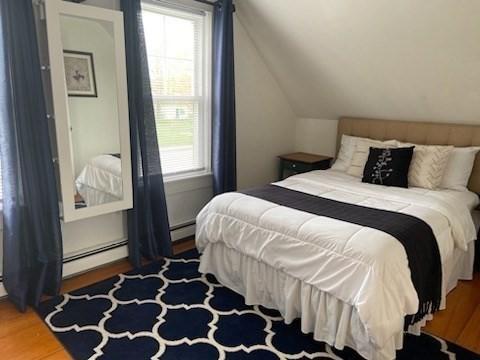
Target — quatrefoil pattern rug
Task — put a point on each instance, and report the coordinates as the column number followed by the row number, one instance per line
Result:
column 168, row 310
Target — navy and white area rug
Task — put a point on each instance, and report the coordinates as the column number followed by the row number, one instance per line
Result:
column 168, row 310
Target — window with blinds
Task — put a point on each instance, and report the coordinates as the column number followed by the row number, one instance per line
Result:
column 179, row 57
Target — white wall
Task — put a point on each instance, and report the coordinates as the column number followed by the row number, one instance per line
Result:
column 318, row 136
column 408, row 59
column 265, row 120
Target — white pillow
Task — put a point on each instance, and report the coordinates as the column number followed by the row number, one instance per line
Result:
column 459, row 168
column 360, row 155
column 344, row 157
column 428, row 165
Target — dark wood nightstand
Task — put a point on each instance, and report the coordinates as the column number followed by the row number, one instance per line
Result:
column 300, row 162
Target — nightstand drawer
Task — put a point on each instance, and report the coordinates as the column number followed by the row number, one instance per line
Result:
column 296, row 166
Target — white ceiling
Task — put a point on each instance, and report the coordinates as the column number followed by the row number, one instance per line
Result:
column 404, row 59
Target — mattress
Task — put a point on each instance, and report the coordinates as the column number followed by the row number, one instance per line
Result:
column 362, row 267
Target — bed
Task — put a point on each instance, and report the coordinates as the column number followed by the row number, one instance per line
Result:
column 349, row 284
column 100, row 181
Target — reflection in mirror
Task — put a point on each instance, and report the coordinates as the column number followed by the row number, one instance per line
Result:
column 90, row 71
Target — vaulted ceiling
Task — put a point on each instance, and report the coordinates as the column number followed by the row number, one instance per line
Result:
column 405, row 59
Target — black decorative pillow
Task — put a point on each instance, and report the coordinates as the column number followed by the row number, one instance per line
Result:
column 388, row 167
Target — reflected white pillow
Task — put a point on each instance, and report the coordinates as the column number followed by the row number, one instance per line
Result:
column 344, row 157
column 459, row 168
column 360, row 155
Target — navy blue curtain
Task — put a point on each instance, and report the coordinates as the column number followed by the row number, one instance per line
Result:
column 223, row 107
column 148, row 226
column 32, row 242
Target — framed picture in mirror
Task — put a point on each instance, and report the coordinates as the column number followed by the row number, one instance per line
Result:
column 80, row 73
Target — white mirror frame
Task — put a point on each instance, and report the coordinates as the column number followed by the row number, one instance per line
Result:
column 53, row 10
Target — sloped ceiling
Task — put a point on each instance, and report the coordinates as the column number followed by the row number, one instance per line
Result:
column 404, row 59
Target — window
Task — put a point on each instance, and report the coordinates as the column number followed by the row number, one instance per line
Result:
column 179, row 58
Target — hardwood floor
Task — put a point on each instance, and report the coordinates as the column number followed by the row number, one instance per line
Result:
column 460, row 321
column 26, row 337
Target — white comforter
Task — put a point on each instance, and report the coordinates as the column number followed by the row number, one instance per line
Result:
column 361, row 266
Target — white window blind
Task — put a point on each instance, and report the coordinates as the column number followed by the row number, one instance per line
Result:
column 178, row 52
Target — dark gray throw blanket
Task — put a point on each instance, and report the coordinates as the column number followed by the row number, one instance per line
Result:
column 414, row 234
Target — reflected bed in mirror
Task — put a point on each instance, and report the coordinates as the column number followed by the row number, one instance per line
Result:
column 100, row 181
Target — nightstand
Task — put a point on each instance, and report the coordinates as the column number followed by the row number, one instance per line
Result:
column 300, row 162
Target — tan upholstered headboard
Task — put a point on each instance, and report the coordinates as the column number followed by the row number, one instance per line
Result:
column 416, row 132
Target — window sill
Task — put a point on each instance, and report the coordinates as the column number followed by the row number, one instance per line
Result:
column 190, row 182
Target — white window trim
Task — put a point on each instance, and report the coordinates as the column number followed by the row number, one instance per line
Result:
column 194, row 9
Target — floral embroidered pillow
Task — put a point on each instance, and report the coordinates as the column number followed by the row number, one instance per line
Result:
column 388, row 167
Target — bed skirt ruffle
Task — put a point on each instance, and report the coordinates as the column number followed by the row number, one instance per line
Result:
column 327, row 318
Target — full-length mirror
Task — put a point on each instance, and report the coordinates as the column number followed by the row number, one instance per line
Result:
column 89, row 56
column 87, row 60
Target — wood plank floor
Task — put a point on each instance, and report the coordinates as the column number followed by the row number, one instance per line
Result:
column 26, row 337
